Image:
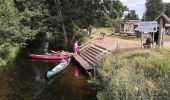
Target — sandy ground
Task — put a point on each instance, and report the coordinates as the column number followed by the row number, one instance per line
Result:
column 112, row 42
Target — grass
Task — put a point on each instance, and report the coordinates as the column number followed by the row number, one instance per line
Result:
column 135, row 74
column 8, row 54
column 106, row 30
column 125, row 37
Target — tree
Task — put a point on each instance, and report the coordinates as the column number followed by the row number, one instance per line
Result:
column 167, row 12
column 153, row 9
column 65, row 16
column 111, row 10
column 10, row 29
column 131, row 15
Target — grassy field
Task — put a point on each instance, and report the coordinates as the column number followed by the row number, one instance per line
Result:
column 135, row 74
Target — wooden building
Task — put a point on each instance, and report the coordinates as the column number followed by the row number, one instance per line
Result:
column 163, row 20
column 128, row 28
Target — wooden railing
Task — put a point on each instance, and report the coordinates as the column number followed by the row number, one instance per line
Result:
column 86, row 45
column 105, row 53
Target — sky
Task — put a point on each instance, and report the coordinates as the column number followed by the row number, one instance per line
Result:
column 137, row 5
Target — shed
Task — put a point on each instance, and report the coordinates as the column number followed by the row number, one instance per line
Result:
column 162, row 21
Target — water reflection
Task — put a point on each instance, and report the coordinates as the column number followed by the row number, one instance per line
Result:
column 76, row 71
column 26, row 80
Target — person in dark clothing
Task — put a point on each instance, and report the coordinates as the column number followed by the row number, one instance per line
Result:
column 148, row 43
column 156, row 37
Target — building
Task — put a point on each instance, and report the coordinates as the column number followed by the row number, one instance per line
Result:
column 128, row 28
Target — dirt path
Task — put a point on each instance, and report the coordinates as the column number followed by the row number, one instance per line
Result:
column 111, row 41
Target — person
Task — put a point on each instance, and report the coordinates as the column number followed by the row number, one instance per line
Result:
column 102, row 34
column 156, row 36
column 76, row 47
column 90, row 30
column 148, row 42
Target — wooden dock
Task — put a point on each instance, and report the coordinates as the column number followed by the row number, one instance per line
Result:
column 91, row 54
column 83, row 63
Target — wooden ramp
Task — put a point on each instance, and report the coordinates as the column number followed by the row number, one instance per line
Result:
column 91, row 54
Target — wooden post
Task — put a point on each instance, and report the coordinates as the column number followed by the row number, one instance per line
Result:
column 162, row 43
column 141, row 39
column 160, row 32
column 153, row 39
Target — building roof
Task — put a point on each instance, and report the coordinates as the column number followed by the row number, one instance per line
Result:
column 133, row 22
column 163, row 16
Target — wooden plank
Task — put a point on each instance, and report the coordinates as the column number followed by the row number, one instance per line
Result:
column 83, row 63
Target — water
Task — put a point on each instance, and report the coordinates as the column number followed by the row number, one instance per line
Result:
column 25, row 79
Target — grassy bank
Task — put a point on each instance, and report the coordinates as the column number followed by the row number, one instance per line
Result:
column 135, row 75
column 7, row 54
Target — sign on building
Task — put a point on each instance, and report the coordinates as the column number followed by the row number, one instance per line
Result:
column 148, row 26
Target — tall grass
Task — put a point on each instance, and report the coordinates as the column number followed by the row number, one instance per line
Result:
column 135, row 75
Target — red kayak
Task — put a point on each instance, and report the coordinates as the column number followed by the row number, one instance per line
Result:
column 48, row 57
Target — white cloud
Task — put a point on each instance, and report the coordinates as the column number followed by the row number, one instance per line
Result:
column 138, row 6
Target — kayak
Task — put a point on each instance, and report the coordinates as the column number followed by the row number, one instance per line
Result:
column 59, row 53
column 48, row 57
column 58, row 68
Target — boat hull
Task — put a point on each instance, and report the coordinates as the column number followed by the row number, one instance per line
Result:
column 48, row 57
column 58, row 68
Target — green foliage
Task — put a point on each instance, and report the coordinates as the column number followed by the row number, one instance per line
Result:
column 153, row 9
column 167, row 11
column 116, row 21
column 8, row 52
column 111, row 10
column 22, row 20
column 9, row 21
column 131, row 16
column 140, row 74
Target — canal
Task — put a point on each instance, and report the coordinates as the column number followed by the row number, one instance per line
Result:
column 25, row 79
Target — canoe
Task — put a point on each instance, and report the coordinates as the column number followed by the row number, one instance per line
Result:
column 58, row 68
column 48, row 57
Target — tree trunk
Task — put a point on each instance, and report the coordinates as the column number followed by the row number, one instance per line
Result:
column 73, row 38
column 57, row 3
column 65, row 34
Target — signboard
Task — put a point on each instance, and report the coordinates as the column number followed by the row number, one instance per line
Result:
column 149, row 26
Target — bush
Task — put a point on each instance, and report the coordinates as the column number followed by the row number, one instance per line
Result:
column 8, row 52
